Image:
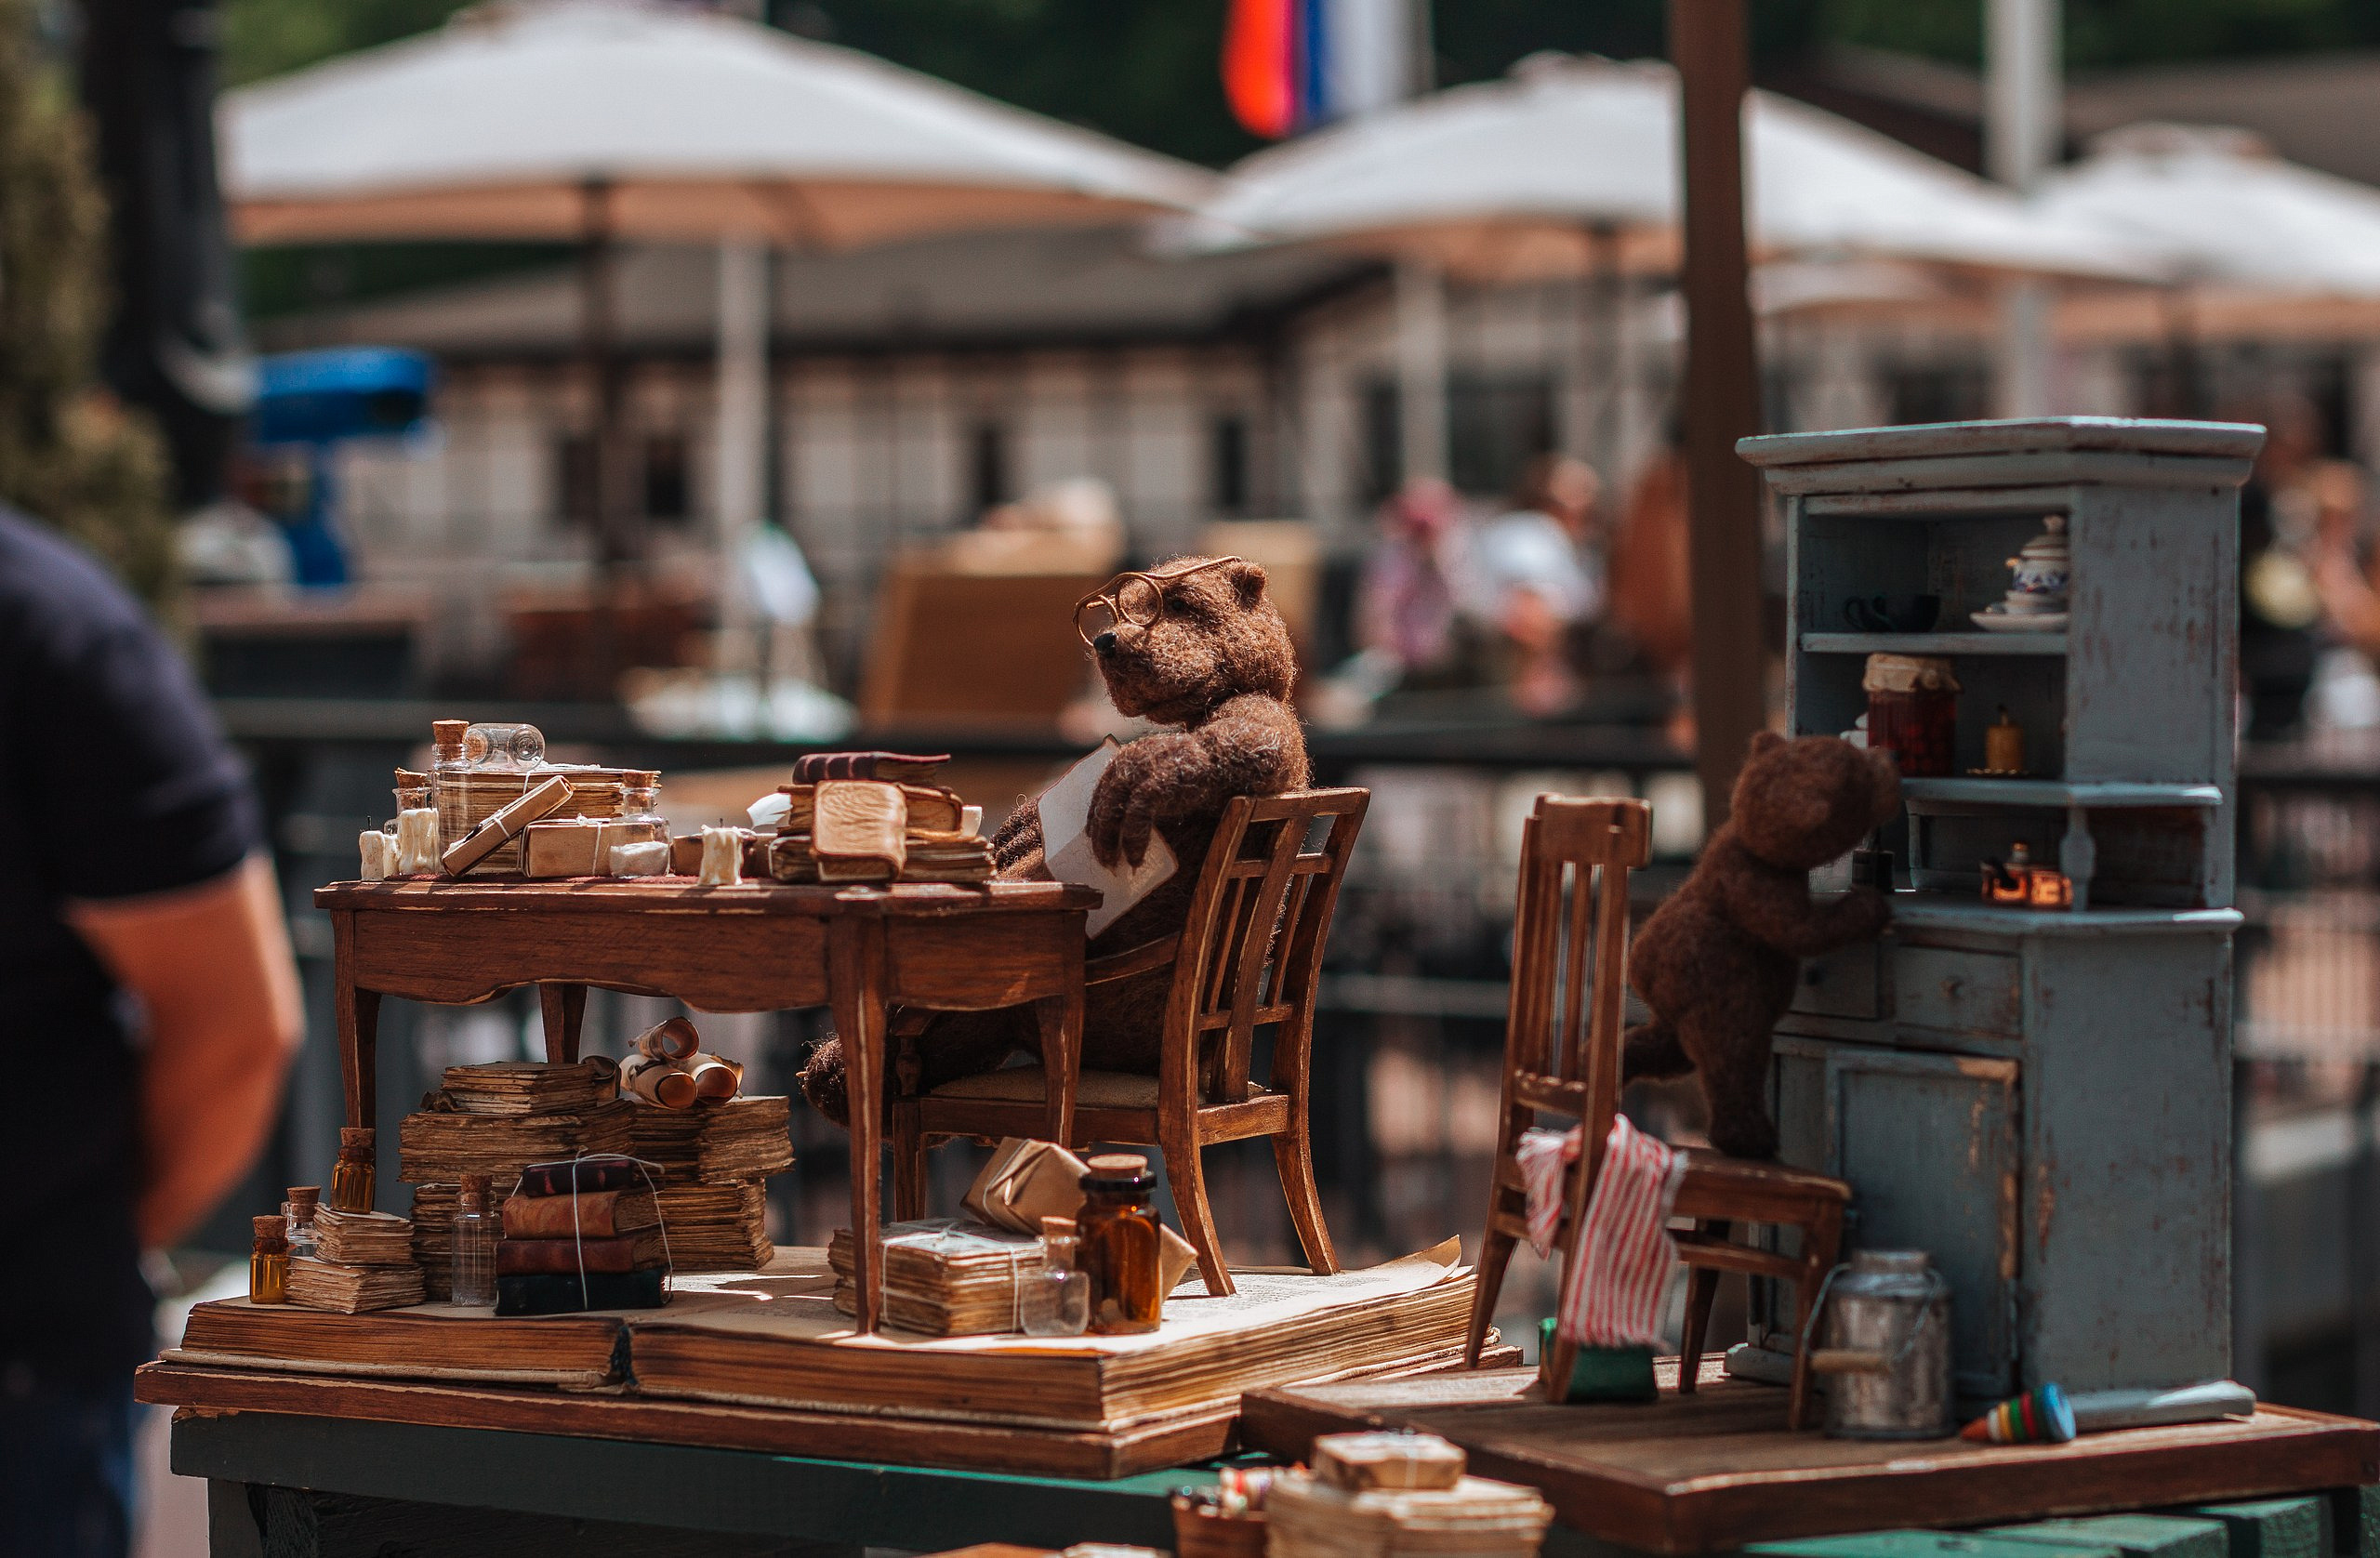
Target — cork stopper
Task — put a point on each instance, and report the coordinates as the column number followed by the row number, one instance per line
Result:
column 303, row 1201
column 272, row 1233
column 1118, row 1166
column 356, row 1144
column 474, row 1194
column 446, row 739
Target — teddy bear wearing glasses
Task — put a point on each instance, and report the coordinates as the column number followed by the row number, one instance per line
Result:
column 1196, row 644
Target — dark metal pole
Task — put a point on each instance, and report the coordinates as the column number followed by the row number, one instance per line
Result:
column 1722, row 396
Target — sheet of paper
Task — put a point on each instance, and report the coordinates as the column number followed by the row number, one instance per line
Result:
column 1065, row 843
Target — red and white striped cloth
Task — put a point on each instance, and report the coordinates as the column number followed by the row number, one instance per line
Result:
column 1614, row 1291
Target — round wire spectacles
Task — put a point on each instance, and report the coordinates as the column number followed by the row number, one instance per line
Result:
column 1137, row 599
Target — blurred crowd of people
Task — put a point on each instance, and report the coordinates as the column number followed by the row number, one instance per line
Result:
column 1533, row 600
column 2309, row 583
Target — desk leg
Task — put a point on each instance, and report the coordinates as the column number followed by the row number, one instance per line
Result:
column 857, row 981
column 358, row 1015
column 563, row 1007
column 1060, row 1019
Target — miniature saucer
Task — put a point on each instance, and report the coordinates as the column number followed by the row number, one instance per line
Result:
column 1995, row 621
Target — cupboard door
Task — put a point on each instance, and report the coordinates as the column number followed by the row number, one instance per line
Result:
column 1929, row 1144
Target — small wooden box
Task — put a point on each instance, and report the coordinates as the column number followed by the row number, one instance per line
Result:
column 579, row 846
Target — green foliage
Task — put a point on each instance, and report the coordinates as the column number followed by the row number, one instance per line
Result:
column 268, row 37
column 69, row 454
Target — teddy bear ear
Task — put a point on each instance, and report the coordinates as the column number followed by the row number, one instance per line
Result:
column 1248, row 580
column 1765, row 741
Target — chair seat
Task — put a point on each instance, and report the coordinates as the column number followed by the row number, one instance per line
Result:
column 1094, row 1090
column 1752, row 1189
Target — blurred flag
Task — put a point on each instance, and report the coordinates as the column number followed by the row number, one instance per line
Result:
column 1290, row 65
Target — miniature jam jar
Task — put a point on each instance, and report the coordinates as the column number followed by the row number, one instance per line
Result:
column 269, row 1262
column 1120, row 1245
column 1913, row 712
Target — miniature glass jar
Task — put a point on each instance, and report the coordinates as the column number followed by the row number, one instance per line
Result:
column 503, row 747
column 472, row 1271
column 412, row 790
column 299, row 1212
column 1055, row 1297
column 269, row 1262
column 1120, row 1246
column 1913, row 712
column 351, row 1176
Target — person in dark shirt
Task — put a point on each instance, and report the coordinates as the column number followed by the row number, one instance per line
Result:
column 150, row 1003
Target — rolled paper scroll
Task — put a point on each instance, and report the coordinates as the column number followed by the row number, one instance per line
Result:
column 716, row 1080
column 673, row 1039
column 380, row 856
column 658, row 1082
column 722, row 857
column 2040, row 1416
column 641, row 860
column 418, row 842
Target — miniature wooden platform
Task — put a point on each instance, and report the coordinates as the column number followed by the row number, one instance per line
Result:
column 763, row 1361
column 1717, row 1469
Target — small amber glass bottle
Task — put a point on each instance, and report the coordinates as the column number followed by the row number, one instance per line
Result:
column 351, row 1176
column 269, row 1262
column 1120, row 1245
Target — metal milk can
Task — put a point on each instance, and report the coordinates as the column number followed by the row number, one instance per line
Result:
column 1888, row 1352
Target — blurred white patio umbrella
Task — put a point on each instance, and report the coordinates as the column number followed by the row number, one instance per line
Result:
column 595, row 120
column 2257, row 244
column 1569, row 168
column 1516, row 179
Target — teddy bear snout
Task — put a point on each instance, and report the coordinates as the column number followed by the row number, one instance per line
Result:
column 1105, row 643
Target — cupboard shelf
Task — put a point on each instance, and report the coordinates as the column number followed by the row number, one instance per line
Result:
column 1936, row 794
column 1977, row 642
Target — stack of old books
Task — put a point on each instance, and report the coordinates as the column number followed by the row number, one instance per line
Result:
column 364, row 1260
column 584, row 1233
column 497, row 1120
column 713, row 1161
column 875, row 817
column 1387, row 1495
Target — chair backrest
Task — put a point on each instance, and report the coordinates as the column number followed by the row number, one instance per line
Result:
column 1571, row 955
column 1250, row 952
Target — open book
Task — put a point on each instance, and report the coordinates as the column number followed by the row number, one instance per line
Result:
column 1065, row 843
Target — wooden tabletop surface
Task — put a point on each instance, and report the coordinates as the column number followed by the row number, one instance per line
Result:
column 681, row 894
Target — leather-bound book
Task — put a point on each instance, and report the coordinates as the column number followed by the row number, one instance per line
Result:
column 902, row 767
column 597, row 1214
column 539, row 1293
column 633, row 1252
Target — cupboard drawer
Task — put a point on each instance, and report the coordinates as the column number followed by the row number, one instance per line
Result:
column 1966, row 992
column 1847, row 981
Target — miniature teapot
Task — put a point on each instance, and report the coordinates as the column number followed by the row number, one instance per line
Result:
column 2042, row 567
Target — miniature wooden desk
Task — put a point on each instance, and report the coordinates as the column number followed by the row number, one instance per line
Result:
column 751, row 948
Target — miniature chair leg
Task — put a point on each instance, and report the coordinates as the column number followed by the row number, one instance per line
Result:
column 909, row 1168
column 1294, row 1152
column 1821, row 1242
column 1701, row 1289
column 1488, row 1281
column 1188, row 1176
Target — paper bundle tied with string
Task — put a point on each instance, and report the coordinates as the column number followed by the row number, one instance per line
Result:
column 1027, row 1180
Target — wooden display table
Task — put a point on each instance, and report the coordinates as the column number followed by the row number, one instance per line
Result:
column 1717, row 1470
column 751, row 948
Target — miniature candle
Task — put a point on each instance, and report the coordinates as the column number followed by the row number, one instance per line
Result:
column 380, row 856
column 2003, row 746
column 722, row 857
column 417, row 842
column 641, row 860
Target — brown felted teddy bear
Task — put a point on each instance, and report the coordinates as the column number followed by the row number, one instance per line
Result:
column 1215, row 660
column 1717, row 962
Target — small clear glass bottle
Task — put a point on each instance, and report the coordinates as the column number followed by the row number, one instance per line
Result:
column 1120, row 1245
column 299, row 1212
column 503, row 748
column 269, row 1262
column 352, row 1175
column 446, row 768
column 472, row 1280
column 1055, row 1296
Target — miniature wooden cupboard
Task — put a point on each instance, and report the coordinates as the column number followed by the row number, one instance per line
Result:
column 2040, row 1099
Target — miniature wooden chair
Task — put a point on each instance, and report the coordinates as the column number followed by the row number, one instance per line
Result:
column 1230, row 978
column 1562, row 1056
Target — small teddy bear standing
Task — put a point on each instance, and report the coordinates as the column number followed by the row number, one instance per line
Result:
column 1718, row 961
column 1213, row 658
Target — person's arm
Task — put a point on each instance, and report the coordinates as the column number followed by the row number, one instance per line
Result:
column 211, row 965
